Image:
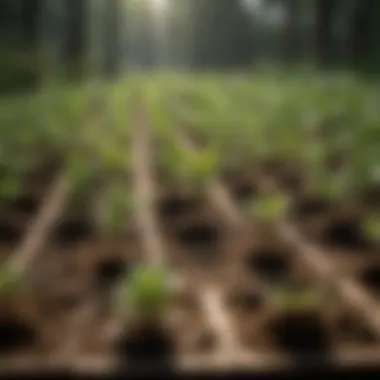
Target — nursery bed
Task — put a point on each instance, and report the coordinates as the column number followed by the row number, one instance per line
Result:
column 222, row 264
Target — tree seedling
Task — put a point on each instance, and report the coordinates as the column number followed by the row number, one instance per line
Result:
column 10, row 187
column 371, row 227
column 10, row 281
column 191, row 168
column 203, row 165
column 296, row 298
column 118, row 204
column 79, row 170
column 270, row 208
column 146, row 293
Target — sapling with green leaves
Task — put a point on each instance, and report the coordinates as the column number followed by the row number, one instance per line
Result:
column 270, row 208
column 145, row 293
column 296, row 298
column 78, row 169
column 10, row 281
column 116, row 206
column 329, row 185
column 191, row 168
column 10, row 187
column 371, row 227
column 203, row 165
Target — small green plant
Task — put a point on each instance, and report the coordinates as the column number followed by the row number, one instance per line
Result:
column 10, row 187
column 270, row 208
column 191, row 168
column 203, row 165
column 146, row 292
column 79, row 170
column 371, row 227
column 118, row 204
column 296, row 298
column 9, row 281
column 330, row 185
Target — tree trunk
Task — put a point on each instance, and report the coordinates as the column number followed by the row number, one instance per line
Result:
column 112, row 37
column 30, row 21
column 324, row 12
column 75, row 31
column 291, row 38
column 360, row 36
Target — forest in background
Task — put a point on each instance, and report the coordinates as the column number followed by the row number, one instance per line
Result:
column 44, row 39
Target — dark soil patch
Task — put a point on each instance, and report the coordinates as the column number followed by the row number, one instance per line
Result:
column 244, row 191
column 345, row 234
column 335, row 162
column 109, row 271
column 72, row 231
column 350, row 329
column 9, row 234
column 291, row 181
column 68, row 302
column 371, row 196
column 310, row 208
column 15, row 335
column 199, row 235
column 146, row 345
column 178, row 206
column 271, row 265
column 371, row 279
column 46, row 170
column 206, row 341
column 300, row 333
column 246, row 301
column 273, row 167
column 25, row 204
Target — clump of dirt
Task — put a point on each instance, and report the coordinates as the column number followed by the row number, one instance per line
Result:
column 177, row 206
column 199, row 235
column 110, row 270
column 246, row 301
column 345, row 234
column 351, row 329
column 371, row 279
column 72, row 231
column 26, row 204
column 10, row 234
column 244, row 190
column 311, row 207
column 271, row 265
column 300, row 333
column 145, row 344
column 15, row 335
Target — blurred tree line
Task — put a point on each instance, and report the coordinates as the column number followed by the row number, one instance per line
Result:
column 43, row 39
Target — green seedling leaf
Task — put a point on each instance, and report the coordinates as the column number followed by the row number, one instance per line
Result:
column 270, row 208
column 118, row 205
column 203, row 165
column 78, row 170
column 9, row 281
column 112, row 157
column 297, row 299
column 10, row 188
column 148, row 291
column 371, row 227
column 329, row 184
column 173, row 161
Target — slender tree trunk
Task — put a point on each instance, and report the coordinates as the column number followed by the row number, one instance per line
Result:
column 291, row 38
column 324, row 11
column 112, row 37
column 76, row 33
column 30, row 21
column 360, row 33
